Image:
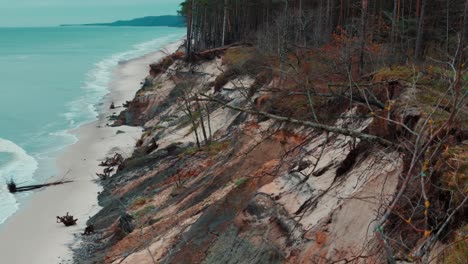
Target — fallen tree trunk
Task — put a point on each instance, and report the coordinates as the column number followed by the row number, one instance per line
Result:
column 318, row 126
column 13, row 188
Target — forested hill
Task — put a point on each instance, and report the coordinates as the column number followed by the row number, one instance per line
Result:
column 409, row 28
column 149, row 21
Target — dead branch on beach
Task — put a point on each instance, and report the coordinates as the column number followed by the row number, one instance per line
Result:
column 116, row 161
column 14, row 188
column 67, row 220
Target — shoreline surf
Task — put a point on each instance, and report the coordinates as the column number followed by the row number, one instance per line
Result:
column 33, row 228
column 38, row 167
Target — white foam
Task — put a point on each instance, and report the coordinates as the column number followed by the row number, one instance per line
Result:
column 21, row 168
column 84, row 109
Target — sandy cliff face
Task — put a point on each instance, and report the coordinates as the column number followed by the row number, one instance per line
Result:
column 261, row 192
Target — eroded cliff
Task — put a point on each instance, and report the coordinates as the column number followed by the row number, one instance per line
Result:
column 211, row 184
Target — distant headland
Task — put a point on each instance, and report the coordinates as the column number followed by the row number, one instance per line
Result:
column 149, row 21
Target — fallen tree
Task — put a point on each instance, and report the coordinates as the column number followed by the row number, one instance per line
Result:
column 14, row 188
column 318, row 126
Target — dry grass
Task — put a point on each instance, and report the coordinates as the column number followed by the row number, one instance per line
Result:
column 457, row 253
column 238, row 55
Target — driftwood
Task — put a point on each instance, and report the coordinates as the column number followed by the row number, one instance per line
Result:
column 67, row 220
column 110, row 163
column 126, row 104
column 116, row 160
column 13, row 188
column 102, row 176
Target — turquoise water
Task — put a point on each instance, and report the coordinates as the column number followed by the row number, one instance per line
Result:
column 51, row 81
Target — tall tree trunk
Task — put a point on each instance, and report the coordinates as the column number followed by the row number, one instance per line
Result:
column 461, row 55
column 447, row 25
column 202, row 122
column 224, row 23
column 420, row 34
column 394, row 26
column 188, row 47
column 363, row 37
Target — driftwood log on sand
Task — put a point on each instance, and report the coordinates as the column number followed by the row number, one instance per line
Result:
column 14, row 188
column 67, row 220
column 113, row 161
column 116, row 161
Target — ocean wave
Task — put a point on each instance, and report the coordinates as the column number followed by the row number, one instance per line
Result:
column 21, row 168
column 85, row 108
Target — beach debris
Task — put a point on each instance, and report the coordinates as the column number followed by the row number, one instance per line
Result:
column 103, row 176
column 67, row 220
column 126, row 104
column 14, row 188
column 121, row 166
column 89, row 230
column 110, row 163
column 106, row 173
column 112, row 117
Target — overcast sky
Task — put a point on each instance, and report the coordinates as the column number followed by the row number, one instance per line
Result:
column 24, row 13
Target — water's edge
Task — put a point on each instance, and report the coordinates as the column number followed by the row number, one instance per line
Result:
column 93, row 101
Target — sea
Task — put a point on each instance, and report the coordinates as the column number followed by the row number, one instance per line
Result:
column 52, row 80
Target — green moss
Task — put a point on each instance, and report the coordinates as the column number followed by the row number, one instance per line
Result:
column 216, row 147
column 240, row 182
column 168, row 118
column 157, row 127
column 145, row 211
column 187, row 120
column 147, row 133
column 190, row 151
column 213, row 149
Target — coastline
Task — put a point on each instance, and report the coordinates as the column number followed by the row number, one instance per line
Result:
column 32, row 234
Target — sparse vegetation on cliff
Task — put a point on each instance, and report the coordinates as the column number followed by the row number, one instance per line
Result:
column 310, row 145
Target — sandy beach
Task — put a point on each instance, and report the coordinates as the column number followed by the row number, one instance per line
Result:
column 32, row 234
